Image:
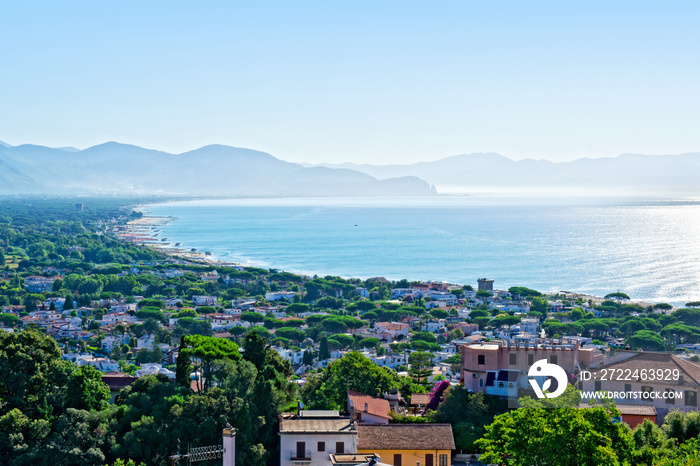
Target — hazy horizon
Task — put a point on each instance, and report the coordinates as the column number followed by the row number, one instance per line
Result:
column 375, row 83
column 72, row 147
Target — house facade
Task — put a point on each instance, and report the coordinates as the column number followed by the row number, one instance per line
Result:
column 408, row 444
column 310, row 437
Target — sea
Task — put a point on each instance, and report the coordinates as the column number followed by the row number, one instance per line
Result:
column 646, row 247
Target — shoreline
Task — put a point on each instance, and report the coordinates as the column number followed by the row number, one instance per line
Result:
column 145, row 231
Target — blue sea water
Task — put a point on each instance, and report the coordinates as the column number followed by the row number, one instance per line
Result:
column 647, row 248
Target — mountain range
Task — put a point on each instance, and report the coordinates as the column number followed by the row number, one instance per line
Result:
column 491, row 172
column 217, row 170
column 214, row 170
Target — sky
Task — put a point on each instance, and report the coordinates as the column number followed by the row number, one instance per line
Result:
column 355, row 81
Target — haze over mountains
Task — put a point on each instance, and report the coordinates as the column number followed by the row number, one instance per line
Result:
column 217, row 170
column 491, row 172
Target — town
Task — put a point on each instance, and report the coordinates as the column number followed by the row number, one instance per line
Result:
column 112, row 352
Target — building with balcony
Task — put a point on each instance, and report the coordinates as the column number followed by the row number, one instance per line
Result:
column 311, row 437
column 498, row 367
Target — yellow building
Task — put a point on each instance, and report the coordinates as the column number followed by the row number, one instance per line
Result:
column 408, row 444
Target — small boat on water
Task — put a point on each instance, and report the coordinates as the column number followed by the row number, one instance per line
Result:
column 193, row 250
column 164, row 239
column 208, row 253
column 177, row 244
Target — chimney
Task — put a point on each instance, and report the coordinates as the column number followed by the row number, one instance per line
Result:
column 229, row 447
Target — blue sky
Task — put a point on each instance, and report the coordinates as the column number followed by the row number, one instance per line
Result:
column 361, row 81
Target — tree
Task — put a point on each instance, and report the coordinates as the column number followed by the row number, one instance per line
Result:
column 151, row 313
column 537, row 435
column 439, row 313
column 619, row 297
column 207, row 355
column 328, row 390
column 647, row 341
column 292, row 323
column 252, row 317
column 86, row 390
column 539, row 304
column 436, row 394
column 420, row 367
column 688, row 316
column 33, row 377
column 468, row 413
column 370, row 342
column 344, row 339
column 291, row 333
column 297, row 308
column 323, row 352
column 523, row 292
column 424, row 336
column 9, row 320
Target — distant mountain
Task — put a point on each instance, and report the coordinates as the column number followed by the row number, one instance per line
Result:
column 481, row 172
column 114, row 168
column 4, row 144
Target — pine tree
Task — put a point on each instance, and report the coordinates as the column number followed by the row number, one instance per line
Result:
column 323, row 352
column 182, row 371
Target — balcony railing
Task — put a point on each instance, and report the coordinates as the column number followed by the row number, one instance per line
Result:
column 296, row 459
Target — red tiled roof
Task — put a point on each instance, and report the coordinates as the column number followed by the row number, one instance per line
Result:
column 369, row 404
column 116, row 380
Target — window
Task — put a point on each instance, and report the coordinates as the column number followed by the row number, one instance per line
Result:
column 500, row 385
column 481, row 383
column 646, row 388
column 443, row 460
column 670, row 394
column 530, row 359
column 513, row 359
column 301, row 450
column 553, row 359
column 691, row 398
column 397, row 459
column 628, row 387
column 597, row 385
column 339, row 448
column 321, row 446
column 481, row 360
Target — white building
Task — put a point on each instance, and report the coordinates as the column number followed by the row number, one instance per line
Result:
column 529, row 326
column 101, row 364
column 145, row 341
column 310, row 437
column 362, row 292
column 204, row 300
column 392, row 329
column 294, row 357
column 278, row 295
column 433, row 325
column 153, row 369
